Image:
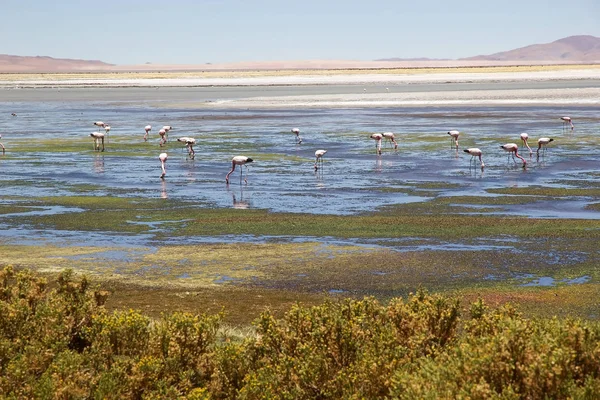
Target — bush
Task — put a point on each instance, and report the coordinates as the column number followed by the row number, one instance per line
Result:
column 61, row 343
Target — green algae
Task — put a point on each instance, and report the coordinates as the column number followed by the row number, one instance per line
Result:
column 138, row 215
column 549, row 191
column 593, row 207
column 13, row 209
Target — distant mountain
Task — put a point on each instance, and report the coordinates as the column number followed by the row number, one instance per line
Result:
column 582, row 48
column 9, row 63
column 411, row 59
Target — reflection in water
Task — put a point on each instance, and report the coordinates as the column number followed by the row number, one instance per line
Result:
column 238, row 201
column 163, row 189
column 378, row 165
column 476, row 172
column 541, row 159
column 319, row 175
column 190, row 172
column 99, row 163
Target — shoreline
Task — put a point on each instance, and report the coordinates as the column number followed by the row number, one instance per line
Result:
column 300, row 77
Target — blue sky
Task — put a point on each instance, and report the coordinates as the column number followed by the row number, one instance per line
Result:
column 202, row 31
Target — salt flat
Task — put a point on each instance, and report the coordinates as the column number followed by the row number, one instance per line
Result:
column 320, row 77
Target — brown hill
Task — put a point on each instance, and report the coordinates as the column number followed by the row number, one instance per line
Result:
column 582, row 48
column 9, row 63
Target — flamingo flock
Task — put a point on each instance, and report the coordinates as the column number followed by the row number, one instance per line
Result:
column 511, row 148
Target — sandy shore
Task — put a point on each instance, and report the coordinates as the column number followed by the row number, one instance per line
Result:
column 303, row 77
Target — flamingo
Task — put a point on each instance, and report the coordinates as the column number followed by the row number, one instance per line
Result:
column 524, row 138
column 189, row 142
column 163, row 159
column 542, row 143
column 97, row 137
column 567, row 121
column 454, row 137
column 14, row 114
column 162, row 134
column 474, row 152
column 513, row 149
column 390, row 136
column 296, row 131
column 167, row 128
column 147, row 128
column 377, row 137
column 238, row 160
column 319, row 157
column 1, row 145
column 99, row 124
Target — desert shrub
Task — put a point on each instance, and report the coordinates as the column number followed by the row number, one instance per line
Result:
column 61, row 343
column 503, row 355
column 347, row 348
column 38, row 324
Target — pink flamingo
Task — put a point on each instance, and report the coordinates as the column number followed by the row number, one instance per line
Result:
column 163, row 139
column 513, row 149
column 1, row 145
column 319, row 157
column 296, row 132
column 147, row 128
column 454, row 137
column 474, row 152
column 524, row 138
column 238, row 160
column 98, row 136
column 542, row 143
column 163, row 159
column 167, row 128
column 100, row 124
column 390, row 136
column 377, row 137
column 567, row 121
column 189, row 143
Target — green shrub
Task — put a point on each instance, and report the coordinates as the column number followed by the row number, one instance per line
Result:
column 61, row 343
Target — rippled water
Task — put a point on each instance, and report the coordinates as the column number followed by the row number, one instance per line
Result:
column 353, row 179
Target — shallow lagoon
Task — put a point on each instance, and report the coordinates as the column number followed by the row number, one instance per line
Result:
column 49, row 153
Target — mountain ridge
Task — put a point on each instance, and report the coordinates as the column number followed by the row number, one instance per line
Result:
column 569, row 50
